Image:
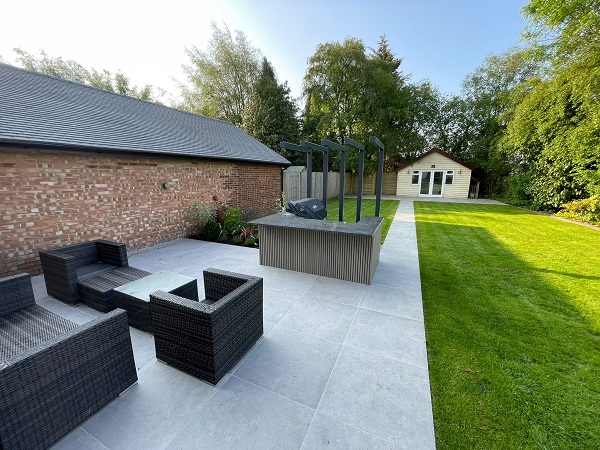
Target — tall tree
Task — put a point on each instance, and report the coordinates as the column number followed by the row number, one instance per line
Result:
column 73, row 71
column 384, row 53
column 334, row 83
column 222, row 78
column 567, row 32
column 554, row 136
column 354, row 94
column 477, row 121
column 271, row 116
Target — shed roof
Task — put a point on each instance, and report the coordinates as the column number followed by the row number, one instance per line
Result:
column 295, row 169
column 441, row 152
column 41, row 110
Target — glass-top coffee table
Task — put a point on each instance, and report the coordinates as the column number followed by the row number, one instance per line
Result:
column 134, row 297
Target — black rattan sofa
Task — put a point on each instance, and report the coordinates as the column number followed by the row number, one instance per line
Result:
column 207, row 338
column 88, row 272
column 55, row 373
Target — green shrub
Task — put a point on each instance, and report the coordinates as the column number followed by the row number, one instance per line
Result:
column 517, row 190
column 230, row 219
column 586, row 210
column 248, row 231
column 202, row 213
column 249, row 242
column 237, row 240
column 211, row 230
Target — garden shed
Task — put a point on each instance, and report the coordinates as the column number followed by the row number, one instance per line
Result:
column 436, row 173
column 78, row 164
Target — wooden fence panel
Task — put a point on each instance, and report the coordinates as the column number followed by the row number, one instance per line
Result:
column 369, row 184
column 294, row 185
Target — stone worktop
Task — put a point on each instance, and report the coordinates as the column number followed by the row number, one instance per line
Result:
column 366, row 225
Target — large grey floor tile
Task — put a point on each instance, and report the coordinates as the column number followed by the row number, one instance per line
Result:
column 78, row 439
column 151, row 265
column 143, row 347
column 321, row 318
column 393, row 301
column 330, row 433
column 404, row 232
column 177, row 245
column 366, row 398
column 390, row 277
column 288, row 280
column 225, row 263
column 83, row 308
column 276, row 303
column 252, row 267
column 80, row 318
column 238, row 252
column 244, row 416
column 184, row 261
column 390, row 336
column 337, row 290
column 401, row 263
column 292, row 364
column 267, row 327
column 170, row 256
column 382, row 396
column 39, row 286
column 245, row 356
column 152, row 412
column 58, row 307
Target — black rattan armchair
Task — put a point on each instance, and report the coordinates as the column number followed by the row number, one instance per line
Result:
column 88, row 272
column 207, row 338
column 55, row 373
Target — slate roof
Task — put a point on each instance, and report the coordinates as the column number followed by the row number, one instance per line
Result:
column 41, row 110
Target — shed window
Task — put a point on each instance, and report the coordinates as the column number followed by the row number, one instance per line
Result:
column 450, row 177
column 415, row 177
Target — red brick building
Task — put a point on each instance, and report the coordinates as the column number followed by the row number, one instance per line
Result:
column 78, row 163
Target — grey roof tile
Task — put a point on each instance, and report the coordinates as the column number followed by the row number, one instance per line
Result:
column 44, row 110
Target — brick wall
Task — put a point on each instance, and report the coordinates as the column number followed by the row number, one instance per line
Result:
column 50, row 199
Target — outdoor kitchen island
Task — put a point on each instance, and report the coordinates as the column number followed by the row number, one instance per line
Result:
column 343, row 250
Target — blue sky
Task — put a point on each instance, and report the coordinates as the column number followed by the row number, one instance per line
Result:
column 442, row 41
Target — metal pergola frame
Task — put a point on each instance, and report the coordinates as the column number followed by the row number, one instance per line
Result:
column 335, row 146
column 326, row 145
column 325, row 151
column 308, row 151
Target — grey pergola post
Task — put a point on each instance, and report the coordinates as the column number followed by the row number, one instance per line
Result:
column 308, row 151
column 342, row 150
column 325, row 151
column 374, row 140
column 361, row 168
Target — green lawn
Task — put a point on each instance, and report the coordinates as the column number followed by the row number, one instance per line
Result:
column 388, row 210
column 512, row 317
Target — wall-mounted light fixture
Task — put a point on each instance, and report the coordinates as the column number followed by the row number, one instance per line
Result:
column 459, row 170
column 164, row 185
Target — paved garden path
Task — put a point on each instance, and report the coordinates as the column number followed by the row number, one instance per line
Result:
column 341, row 365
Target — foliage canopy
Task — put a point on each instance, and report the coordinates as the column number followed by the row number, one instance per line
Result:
column 222, row 78
column 73, row 71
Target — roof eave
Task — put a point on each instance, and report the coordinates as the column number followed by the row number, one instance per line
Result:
column 45, row 145
column 441, row 152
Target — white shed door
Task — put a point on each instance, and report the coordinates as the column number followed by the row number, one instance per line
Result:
column 431, row 183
